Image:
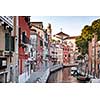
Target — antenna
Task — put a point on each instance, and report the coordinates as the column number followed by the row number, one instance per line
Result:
column 61, row 29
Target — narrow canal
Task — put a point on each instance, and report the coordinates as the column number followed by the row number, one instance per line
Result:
column 62, row 76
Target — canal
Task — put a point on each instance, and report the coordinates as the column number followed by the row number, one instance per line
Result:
column 62, row 76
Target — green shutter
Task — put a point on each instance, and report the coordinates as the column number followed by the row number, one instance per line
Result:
column 12, row 44
column 6, row 41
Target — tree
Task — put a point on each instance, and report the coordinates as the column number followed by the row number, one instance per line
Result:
column 82, row 41
column 96, row 27
column 87, row 35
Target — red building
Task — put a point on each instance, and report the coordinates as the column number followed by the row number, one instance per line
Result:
column 24, row 35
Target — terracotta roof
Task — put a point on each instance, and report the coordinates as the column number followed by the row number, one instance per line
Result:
column 61, row 35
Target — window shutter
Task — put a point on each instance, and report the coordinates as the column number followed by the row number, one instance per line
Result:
column 6, row 41
column 12, row 44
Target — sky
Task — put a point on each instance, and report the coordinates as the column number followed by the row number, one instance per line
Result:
column 71, row 25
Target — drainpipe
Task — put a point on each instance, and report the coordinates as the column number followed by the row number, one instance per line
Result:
column 16, row 34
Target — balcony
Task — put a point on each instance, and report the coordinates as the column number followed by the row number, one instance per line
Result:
column 8, row 20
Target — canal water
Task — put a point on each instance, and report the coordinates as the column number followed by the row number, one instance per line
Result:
column 60, row 76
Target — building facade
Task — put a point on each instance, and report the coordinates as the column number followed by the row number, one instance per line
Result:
column 8, row 59
column 98, row 59
column 47, row 44
column 46, row 49
column 63, row 46
column 23, row 49
column 37, row 35
column 73, row 52
column 53, row 53
column 41, row 45
column 94, row 57
column 66, row 57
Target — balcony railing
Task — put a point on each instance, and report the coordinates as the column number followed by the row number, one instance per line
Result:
column 8, row 20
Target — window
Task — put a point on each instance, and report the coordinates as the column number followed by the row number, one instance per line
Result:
column 9, row 42
column 99, row 67
column 12, row 44
column 53, row 52
column 46, row 36
column 24, row 38
column 41, row 43
column 46, row 44
column 98, row 54
column 27, row 19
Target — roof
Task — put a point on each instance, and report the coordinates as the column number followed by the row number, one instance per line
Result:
column 62, row 35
